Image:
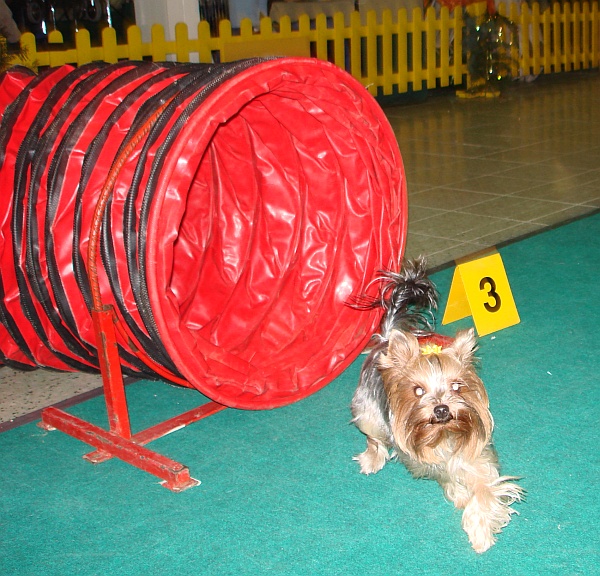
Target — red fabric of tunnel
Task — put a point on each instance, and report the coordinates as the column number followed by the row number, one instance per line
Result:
column 267, row 194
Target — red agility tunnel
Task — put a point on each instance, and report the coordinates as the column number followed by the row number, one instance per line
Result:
column 248, row 203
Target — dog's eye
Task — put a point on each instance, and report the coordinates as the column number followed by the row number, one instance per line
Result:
column 419, row 391
column 455, row 386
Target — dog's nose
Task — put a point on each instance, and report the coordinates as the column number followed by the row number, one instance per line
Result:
column 442, row 413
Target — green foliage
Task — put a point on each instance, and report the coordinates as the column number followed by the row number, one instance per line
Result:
column 8, row 53
column 488, row 41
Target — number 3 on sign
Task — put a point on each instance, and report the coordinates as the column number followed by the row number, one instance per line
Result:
column 480, row 289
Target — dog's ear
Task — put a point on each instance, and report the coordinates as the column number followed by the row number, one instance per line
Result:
column 465, row 345
column 402, row 348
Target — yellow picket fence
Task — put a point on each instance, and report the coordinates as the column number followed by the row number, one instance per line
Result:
column 388, row 52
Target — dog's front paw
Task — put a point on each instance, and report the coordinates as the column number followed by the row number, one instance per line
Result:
column 488, row 511
column 370, row 463
column 478, row 528
column 373, row 459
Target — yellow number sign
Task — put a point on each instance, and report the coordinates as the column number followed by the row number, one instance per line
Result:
column 480, row 289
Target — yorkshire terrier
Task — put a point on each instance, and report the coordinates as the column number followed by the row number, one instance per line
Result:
column 419, row 395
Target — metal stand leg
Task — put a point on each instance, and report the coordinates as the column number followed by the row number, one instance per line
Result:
column 118, row 441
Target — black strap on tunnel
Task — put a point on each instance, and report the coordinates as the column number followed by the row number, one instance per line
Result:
column 12, row 328
column 79, row 261
column 23, row 160
column 41, row 146
column 56, row 179
column 62, row 319
column 151, row 345
column 200, row 75
column 137, row 250
column 7, row 125
column 34, row 153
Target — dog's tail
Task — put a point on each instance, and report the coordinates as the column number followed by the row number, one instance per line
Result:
column 408, row 297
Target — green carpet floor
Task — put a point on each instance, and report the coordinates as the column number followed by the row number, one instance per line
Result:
column 280, row 493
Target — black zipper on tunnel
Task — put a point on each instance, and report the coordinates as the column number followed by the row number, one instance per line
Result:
column 11, row 113
column 217, row 77
column 33, row 148
column 185, row 87
column 56, row 178
column 151, row 343
column 152, row 347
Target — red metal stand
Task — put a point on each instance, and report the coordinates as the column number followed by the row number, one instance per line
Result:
column 118, row 441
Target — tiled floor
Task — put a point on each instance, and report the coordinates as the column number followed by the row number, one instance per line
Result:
column 479, row 173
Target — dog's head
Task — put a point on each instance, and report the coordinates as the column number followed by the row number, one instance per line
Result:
column 438, row 404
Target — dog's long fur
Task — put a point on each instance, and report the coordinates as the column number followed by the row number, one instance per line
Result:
column 426, row 403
